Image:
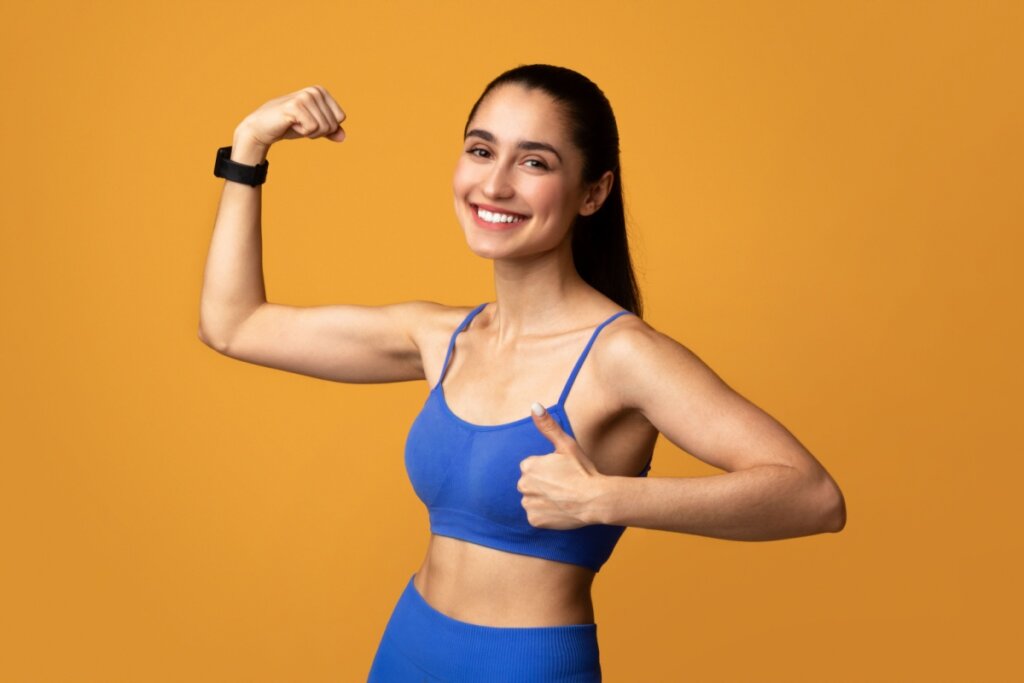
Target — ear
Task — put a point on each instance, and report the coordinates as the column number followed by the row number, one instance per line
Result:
column 597, row 193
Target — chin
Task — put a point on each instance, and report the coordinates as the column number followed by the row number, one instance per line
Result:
column 486, row 248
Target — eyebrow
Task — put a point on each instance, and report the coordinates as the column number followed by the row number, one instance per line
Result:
column 523, row 144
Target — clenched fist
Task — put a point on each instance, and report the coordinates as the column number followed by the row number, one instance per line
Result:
column 310, row 113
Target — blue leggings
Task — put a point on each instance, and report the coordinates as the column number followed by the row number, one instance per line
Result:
column 423, row 645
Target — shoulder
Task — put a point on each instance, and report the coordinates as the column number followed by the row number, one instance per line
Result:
column 630, row 338
column 636, row 359
column 427, row 320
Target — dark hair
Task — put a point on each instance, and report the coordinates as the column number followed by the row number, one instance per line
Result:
column 600, row 247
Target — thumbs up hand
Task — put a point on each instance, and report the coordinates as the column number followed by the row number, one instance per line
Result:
column 558, row 486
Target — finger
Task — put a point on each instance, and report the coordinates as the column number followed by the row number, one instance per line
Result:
column 338, row 134
column 339, row 114
column 328, row 114
column 550, row 428
column 308, row 101
column 305, row 122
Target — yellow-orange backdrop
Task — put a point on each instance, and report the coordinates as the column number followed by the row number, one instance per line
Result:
column 826, row 205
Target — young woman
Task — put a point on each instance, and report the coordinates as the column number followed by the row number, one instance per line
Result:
column 525, row 507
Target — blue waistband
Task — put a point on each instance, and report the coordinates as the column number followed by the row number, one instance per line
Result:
column 461, row 651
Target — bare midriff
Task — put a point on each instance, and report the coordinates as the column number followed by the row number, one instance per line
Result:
column 491, row 587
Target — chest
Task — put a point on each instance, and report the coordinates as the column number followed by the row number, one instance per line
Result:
column 488, row 394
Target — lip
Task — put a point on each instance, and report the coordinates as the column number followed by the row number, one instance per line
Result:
column 498, row 227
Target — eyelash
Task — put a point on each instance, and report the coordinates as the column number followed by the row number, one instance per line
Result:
column 481, row 149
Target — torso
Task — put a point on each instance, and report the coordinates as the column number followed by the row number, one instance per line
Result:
column 491, row 587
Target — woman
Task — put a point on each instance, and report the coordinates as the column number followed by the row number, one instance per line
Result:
column 524, row 507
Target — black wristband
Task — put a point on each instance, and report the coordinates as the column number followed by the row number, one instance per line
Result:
column 225, row 168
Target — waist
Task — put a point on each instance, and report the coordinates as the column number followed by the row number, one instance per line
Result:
column 491, row 587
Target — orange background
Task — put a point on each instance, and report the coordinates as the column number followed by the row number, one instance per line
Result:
column 826, row 207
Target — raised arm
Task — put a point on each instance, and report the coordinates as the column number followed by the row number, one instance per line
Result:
column 344, row 342
column 233, row 279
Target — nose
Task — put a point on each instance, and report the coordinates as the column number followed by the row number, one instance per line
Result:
column 497, row 183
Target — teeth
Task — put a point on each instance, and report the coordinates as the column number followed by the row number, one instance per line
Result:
column 491, row 217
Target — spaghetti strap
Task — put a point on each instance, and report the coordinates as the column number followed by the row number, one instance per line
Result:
column 583, row 356
column 451, row 344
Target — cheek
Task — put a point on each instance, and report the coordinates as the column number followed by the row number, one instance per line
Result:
column 461, row 187
column 462, row 178
column 551, row 196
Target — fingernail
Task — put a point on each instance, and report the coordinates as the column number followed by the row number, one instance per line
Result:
column 537, row 409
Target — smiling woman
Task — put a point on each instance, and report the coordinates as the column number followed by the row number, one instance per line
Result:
column 541, row 143
column 526, row 504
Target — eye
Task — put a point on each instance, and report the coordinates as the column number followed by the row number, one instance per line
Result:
column 472, row 151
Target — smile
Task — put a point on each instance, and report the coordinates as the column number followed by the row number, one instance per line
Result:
column 493, row 220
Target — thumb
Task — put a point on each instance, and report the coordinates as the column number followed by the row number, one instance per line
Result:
column 550, row 428
column 337, row 135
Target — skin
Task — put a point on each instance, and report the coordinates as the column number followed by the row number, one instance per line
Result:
column 636, row 382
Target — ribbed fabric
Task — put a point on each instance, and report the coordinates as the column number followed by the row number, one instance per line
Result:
column 467, row 475
column 423, row 645
column 588, row 546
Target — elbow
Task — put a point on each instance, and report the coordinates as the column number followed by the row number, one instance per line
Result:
column 832, row 507
column 218, row 326
column 214, row 343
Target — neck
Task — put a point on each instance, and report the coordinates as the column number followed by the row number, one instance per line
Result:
column 534, row 294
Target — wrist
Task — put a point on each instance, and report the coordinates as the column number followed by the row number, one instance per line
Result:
column 245, row 149
column 606, row 490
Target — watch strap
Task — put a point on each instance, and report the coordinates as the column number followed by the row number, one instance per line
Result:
column 225, row 168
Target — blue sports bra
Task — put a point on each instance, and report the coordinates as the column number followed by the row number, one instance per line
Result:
column 466, row 474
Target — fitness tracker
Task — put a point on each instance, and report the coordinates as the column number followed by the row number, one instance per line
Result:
column 225, row 168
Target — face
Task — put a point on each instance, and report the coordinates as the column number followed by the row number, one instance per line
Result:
column 517, row 162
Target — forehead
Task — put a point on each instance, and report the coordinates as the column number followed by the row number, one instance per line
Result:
column 512, row 112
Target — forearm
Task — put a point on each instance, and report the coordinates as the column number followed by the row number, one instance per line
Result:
column 756, row 504
column 233, row 278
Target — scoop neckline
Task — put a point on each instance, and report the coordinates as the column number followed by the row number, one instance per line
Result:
column 439, row 390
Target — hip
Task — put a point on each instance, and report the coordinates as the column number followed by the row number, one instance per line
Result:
column 420, row 644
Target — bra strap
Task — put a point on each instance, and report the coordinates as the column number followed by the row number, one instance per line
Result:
column 451, row 343
column 583, row 356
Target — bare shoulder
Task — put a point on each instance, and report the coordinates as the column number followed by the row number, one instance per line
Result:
column 429, row 320
column 632, row 354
